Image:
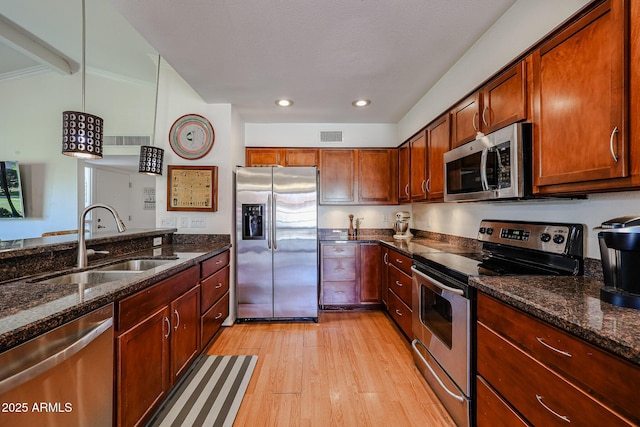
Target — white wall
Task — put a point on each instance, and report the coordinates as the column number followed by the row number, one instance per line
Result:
column 176, row 99
column 308, row 134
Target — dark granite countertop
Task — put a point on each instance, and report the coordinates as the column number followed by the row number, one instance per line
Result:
column 29, row 308
column 572, row 303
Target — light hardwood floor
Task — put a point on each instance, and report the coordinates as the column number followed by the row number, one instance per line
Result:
column 349, row 369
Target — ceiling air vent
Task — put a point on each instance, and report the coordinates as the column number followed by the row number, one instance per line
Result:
column 331, row 136
column 126, row 140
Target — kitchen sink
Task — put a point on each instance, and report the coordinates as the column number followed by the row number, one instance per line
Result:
column 134, row 265
column 91, row 277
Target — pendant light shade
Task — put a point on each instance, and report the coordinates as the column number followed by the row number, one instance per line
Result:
column 81, row 135
column 150, row 162
column 82, row 132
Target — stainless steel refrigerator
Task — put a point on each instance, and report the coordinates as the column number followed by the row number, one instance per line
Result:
column 276, row 243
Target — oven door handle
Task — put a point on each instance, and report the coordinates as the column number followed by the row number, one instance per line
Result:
column 457, row 397
column 438, row 284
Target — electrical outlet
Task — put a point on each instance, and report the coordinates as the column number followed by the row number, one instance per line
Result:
column 168, row 221
column 157, row 241
column 197, row 222
column 385, row 218
column 184, row 222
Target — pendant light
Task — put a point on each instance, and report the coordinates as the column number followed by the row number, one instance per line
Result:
column 82, row 132
column 150, row 162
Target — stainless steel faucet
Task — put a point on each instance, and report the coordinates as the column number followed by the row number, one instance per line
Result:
column 82, row 246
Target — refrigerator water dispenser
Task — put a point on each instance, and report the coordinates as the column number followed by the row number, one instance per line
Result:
column 252, row 223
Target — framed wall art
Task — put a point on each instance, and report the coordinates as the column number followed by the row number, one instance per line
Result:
column 192, row 188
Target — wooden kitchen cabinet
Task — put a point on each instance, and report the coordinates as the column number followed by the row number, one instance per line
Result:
column 465, row 118
column 580, row 95
column 350, row 274
column 157, row 337
column 384, row 278
column 399, row 282
column 370, row 273
column 418, row 168
column 438, row 143
column 404, row 173
column 504, row 99
column 281, row 156
column 358, row 176
column 567, row 379
column 214, row 299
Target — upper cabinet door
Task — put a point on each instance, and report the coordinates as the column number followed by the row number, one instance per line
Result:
column 337, row 177
column 301, row 157
column 579, row 112
column 465, row 119
column 418, row 180
column 264, row 157
column 403, row 173
column 505, row 99
column 438, row 136
column 378, row 176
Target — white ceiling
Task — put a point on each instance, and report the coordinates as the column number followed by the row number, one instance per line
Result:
column 323, row 54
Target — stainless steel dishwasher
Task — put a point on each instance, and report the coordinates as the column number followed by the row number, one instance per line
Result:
column 61, row 378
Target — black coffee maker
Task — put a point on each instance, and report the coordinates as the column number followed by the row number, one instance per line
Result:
column 619, row 240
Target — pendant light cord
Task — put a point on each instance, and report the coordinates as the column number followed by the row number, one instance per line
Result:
column 83, row 52
column 155, row 109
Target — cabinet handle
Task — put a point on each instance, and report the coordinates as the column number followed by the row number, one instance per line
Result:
column 562, row 417
column 473, row 121
column 550, row 347
column 218, row 316
column 386, row 258
column 398, row 283
column 484, row 110
column 398, row 312
column 219, row 262
column 429, row 185
column 339, row 292
column 166, row 320
column 613, row 154
column 423, row 186
column 219, row 285
column 177, row 319
column 406, row 189
column 398, row 260
column 338, row 250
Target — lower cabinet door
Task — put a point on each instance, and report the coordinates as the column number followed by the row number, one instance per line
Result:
column 142, row 373
column 401, row 313
column 185, row 332
column 492, row 410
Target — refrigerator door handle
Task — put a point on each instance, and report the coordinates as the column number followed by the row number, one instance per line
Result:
column 273, row 222
column 268, row 225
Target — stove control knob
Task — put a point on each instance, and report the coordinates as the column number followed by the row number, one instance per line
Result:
column 482, row 230
column 545, row 237
column 558, row 239
column 489, row 231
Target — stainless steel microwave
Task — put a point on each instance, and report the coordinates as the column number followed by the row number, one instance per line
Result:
column 494, row 166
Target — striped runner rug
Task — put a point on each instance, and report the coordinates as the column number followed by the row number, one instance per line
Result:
column 209, row 395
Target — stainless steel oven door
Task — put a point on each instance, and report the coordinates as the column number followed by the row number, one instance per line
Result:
column 442, row 323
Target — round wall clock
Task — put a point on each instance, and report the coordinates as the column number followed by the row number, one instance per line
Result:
column 191, row 136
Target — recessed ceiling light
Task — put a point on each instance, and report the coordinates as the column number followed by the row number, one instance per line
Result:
column 284, row 102
column 361, row 103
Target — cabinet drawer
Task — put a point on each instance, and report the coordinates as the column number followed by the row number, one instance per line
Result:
column 138, row 306
column 400, row 283
column 213, row 287
column 541, row 396
column 401, row 314
column 214, row 264
column 339, row 293
column 211, row 321
column 592, row 369
column 339, row 269
column 345, row 250
column 492, row 410
column 401, row 261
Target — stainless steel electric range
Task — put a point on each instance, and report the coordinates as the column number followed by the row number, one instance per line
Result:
column 443, row 302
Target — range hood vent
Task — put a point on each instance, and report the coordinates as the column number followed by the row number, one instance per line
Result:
column 127, row 140
column 331, row 136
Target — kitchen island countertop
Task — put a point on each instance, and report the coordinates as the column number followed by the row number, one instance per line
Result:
column 29, row 308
